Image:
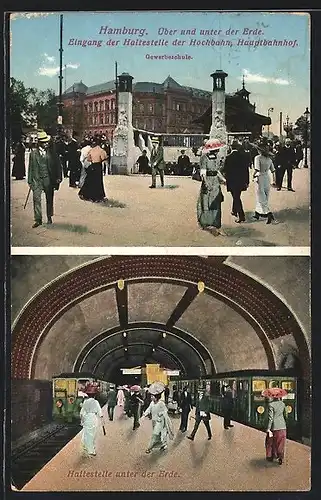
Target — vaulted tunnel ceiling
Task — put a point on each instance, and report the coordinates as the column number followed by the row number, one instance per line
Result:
column 78, row 320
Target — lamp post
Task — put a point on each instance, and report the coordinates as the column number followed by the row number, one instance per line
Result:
column 306, row 115
column 60, row 103
column 270, row 110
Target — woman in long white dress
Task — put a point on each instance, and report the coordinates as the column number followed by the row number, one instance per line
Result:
column 263, row 165
column 162, row 425
column 91, row 417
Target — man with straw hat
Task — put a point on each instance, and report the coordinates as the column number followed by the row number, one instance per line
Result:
column 44, row 174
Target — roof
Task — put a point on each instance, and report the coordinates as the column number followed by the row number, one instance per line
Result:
column 233, row 108
column 147, row 87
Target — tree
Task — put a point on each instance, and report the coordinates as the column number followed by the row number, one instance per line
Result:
column 302, row 128
column 20, row 109
column 31, row 108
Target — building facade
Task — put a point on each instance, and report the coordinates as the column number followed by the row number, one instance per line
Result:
column 168, row 108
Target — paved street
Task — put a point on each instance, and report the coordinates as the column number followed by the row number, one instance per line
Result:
column 138, row 216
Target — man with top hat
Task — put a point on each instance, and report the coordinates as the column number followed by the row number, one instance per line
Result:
column 157, row 162
column 135, row 402
column 44, row 174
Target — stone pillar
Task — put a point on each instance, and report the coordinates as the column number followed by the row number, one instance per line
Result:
column 218, row 128
column 124, row 157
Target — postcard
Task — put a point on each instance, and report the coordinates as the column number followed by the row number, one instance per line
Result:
column 160, row 129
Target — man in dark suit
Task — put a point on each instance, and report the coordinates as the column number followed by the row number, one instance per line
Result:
column 185, row 406
column 111, row 402
column 183, row 164
column 228, row 404
column 157, row 162
column 202, row 413
column 44, row 174
column 236, row 173
column 285, row 161
column 166, row 395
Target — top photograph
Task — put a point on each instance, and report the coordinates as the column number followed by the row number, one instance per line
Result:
column 159, row 129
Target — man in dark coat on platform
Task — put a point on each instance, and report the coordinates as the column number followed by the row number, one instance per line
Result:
column 185, row 405
column 236, row 173
column 202, row 413
column 111, row 402
column 227, row 407
column 183, row 164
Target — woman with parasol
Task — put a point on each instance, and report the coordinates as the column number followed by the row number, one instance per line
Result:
column 276, row 428
column 90, row 414
column 162, row 426
column 209, row 213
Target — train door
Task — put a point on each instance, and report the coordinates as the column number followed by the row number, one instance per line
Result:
column 291, row 404
column 241, row 400
column 258, row 413
column 59, row 399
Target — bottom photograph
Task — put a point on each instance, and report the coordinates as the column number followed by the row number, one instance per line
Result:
column 160, row 373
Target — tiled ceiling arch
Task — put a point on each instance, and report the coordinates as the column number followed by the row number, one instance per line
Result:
column 269, row 315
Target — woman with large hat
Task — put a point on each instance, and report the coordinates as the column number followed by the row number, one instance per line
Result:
column 93, row 186
column 162, row 425
column 263, row 165
column 91, row 417
column 209, row 214
column 276, row 428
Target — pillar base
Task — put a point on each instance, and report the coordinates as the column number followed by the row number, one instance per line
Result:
column 119, row 165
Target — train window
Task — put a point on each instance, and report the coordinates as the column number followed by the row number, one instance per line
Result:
column 274, row 383
column 71, row 386
column 60, row 383
column 258, row 385
column 288, row 385
column 60, row 394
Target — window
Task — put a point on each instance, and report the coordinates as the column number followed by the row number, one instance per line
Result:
column 141, row 108
column 96, row 106
column 178, row 107
column 106, row 105
column 259, row 385
column 151, row 108
column 112, row 104
column 101, row 117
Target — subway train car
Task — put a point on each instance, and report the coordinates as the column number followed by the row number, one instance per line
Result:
column 68, row 389
column 250, row 407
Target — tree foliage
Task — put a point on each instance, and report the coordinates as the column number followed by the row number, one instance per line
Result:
column 30, row 108
column 302, row 128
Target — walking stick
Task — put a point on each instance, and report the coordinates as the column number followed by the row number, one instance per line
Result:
column 104, row 430
column 27, row 198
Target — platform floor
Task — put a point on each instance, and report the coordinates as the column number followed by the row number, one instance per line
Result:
column 234, row 460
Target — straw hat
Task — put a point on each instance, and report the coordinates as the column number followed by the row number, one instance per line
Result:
column 43, row 136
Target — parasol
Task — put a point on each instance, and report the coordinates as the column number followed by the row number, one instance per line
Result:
column 156, row 388
column 213, row 144
column 274, row 392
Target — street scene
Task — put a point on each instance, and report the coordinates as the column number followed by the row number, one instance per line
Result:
column 138, row 216
column 162, row 153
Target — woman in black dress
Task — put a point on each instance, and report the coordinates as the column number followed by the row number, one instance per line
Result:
column 93, row 187
column 19, row 166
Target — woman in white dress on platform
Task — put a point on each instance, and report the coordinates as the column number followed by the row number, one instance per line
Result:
column 91, row 417
column 263, row 165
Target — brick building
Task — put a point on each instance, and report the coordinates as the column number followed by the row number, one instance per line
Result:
column 166, row 107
